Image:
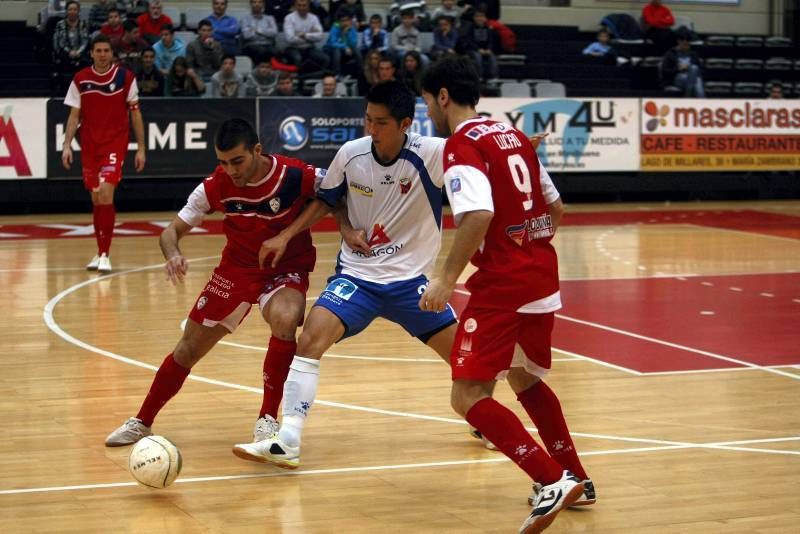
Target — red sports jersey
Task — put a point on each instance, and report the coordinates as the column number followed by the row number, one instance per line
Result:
column 491, row 166
column 104, row 101
column 257, row 212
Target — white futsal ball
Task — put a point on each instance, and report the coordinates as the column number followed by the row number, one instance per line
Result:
column 155, row 462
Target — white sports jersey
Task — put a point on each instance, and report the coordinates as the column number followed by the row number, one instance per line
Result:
column 398, row 205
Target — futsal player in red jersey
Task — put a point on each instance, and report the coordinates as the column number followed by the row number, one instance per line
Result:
column 259, row 195
column 102, row 96
column 492, row 177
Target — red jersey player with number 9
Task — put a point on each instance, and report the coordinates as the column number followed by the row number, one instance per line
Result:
column 493, row 180
column 101, row 97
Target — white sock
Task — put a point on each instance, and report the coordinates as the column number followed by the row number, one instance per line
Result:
column 299, row 392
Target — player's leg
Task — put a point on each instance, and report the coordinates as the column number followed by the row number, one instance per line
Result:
column 109, row 174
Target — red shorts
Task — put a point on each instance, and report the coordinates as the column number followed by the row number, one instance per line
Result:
column 102, row 167
column 228, row 296
column 489, row 342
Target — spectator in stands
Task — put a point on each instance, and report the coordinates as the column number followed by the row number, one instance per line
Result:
column 369, row 74
column 303, row 30
column 183, row 81
column 342, row 45
column 386, row 69
column 226, row 82
column 355, row 7
column 204, row 54
column 375, row 37
column 285, row 85
column 98, row 15
column 602, row 49
column 412, row 71
column 445, row 37
column 448, row 9
column 262, row 81
column 150, row 23
column 406, row 37
column 150, row 80
column 278, row 9
column 328, row 87
column 132, row 8
column 775, row 91
column 490, row 7
column 113, row 27
column 657, row 21
column 259, row 33
column 479, row 41
column 70, row 40
column 226, row 28
column 681, row 66
column 168, row 48
column 129, row 49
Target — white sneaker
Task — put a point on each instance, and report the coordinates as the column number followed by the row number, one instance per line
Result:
column 266, row 427
column 271, row 450
column 128, row 433
column 550, row 500
column 587, row 498
column 475, row 433
column 92, row 265
column 104, row 264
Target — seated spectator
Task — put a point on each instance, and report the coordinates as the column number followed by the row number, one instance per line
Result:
column 445, row 38
column 406, row 37
column 681, row 67
column 355, row 7
column 601, row 48
column 129, row 49
column 226, row 82
column 490, row 7
column 375, row 37
column 113, row 27
column 342, row 44
column 226, row 28
column 150, row 80
column 285, row 85
column 448, row 9
column 775, row 91
column 412, row 71
column 303, row 30
column 150, row 23
column 168, row 48
column 386, row 69
column 183, row 81
column 369, row 74
column 98, row 15
column 657, row 21
column 132, row 8
column 204, row 54
column 278, row 9
column 329, row 87
column 259, row 32
column 262, row 81
column 70, row 39
column 479, row 41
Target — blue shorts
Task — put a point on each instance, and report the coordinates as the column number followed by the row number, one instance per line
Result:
column 358, row 302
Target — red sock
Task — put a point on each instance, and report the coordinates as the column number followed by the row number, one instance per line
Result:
column 105, row 216
column 499, row 425
column 166, row 384
column 542, row 405
column 280, row 354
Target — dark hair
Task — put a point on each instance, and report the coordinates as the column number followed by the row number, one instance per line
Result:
column 456, row 74
column 235, row 132
column 390, row 59
column 407, row 13
column 344, row 12
column 169, row 27
column 204, row 22
column 396, row 96
column 148, row 49
column 100, row 38
column 228, row 56
column 129, row 25
column 70, row 2
column 376, row 17
column 116, row 9
column 285, row 74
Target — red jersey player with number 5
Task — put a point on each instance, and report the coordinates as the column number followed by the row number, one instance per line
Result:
column 101, row 97
column 492, row 176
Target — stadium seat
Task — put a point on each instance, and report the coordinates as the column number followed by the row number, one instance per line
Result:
column 511, row 59
column 721, row 63
column 85, row 9
column 650, row 62
column 778, row 63
column 550, row 90
column 682, row 21
column 515, row 89
column 719, row 40
column 425, row 41
column 751, row 89
column 244, row 65
column 194, row 15
column 750, row 41
column 173, row 13
column 749, row 64
column 778, row 42
column 714, row 89
column 186, row 37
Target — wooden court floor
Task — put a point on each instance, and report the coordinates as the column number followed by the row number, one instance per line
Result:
column 685, row 405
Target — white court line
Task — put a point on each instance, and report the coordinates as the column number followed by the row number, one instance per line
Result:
column 678, row 346
column 719, row 370
column 752, row 234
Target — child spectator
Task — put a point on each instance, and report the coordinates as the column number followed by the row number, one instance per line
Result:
column 262, row 81
column 445, row 38
column 448, row 9
column 479, row 41
column 355, row 7
column 342, row 44
column 406, row 38
column 226, row 82
column 375, row 37
column 168, row 48
column 601, row 48
column 183, row 81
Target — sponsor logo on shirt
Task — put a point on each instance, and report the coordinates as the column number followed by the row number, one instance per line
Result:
column 534, row 228
column 361, row 189
column 470, row 325
column 455, row 185
column 201, row 302
column 342, row 288
column 275, row 205
column 405, row 185
column 387, row 180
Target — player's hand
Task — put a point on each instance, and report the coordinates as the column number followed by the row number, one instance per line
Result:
column 356, row 240
column 66, row 157
column 536, row 139
column 274, row 247
column 435, row 296
column 138, row 161
column 176, row 268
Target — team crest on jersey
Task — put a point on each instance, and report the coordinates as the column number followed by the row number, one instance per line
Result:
column 275, row 205
column 517, row 232
column 470, row 325
column 455, row 184
column 405, row 185
column 201, row 302
column 451, row 157
column 112, row 86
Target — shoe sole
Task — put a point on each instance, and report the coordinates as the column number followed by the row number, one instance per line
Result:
column 579, row 502
column 544, row 521
column 245, row 455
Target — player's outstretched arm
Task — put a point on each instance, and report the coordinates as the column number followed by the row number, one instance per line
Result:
column 176, row 265
column 536, row 138
column 355, row 239
column 69, row 135
column 138, row 131
column 276, row 246
column 469, row 236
